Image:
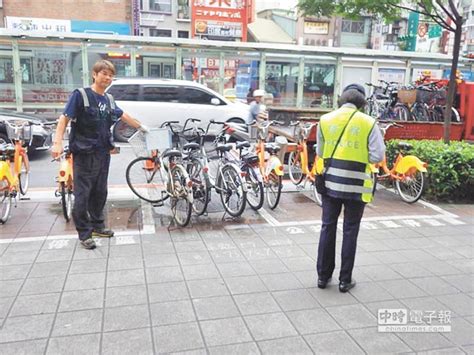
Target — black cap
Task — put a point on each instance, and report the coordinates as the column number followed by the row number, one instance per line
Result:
column 357, row 87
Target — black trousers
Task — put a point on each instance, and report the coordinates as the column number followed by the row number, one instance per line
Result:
column 91, row 173
column 353, row 211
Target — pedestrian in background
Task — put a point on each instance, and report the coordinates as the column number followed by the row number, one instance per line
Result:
column 92, row 113
column 257, row 108
column 348, row 141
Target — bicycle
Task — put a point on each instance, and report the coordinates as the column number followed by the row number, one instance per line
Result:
column 271, row 169
column 385, row 105
column 407, row 171
column 155, row 180
column 14, row 166
column 228, row 179
column 430, row 105
column 65, row 181
column 298, row 159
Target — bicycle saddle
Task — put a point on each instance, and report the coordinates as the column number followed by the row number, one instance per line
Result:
column 191, row 146
column 404, row 146
column 244, row 144
column 171, row 153
column 250, row 158
column 224, row 147
column 272, row 147
column 382, row 97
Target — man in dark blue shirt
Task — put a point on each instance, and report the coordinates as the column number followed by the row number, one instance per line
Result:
column 92, row 113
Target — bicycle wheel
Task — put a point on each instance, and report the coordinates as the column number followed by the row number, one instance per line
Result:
column 316, row 194
column 5, row 206
column 24, row 176
column 410, row 187
column 255, row 190
column 181, row 208
column 231, row 189
column 438, row 113
column 420, row 113
column 201, row 190
column 122, row 131
column 294, row 168
column 402, row 113
column 274, row 186
column 145, row 179
column 66, row 201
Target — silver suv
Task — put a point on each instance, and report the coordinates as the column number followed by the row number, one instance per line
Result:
column 153, row 101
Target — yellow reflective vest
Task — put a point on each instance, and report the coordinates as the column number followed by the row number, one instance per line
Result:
column 349, row 173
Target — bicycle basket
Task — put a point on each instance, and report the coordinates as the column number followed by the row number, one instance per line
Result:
column 18, row 130
column 138, row 144
column 407, row 96
column 158, row 139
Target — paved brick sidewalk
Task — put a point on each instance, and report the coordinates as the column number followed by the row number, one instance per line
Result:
column 224, row 288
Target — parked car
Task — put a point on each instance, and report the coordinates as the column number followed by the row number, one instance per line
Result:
column 41, row 130
column 154, row 101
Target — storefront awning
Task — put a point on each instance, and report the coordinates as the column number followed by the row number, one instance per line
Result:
column 263, row 30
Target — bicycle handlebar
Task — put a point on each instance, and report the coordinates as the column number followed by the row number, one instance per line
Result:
column 194, row 120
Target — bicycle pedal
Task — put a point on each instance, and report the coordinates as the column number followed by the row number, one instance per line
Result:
column 158, row 204
column 25, row 198
column 299, row 187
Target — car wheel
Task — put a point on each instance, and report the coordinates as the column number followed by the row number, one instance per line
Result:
column 122, row 132
column 237, row 120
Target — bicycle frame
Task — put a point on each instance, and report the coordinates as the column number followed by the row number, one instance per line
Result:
column 273, row 163
column 402, row 166
column 65, row 174
column 11, row 169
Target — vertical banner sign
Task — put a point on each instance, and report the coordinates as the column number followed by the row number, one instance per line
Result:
column 224, row 20
column 136, row 17
column 413, row 21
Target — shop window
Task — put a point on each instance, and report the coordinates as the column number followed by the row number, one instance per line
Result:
column 161, row 93
column 350, row 26
column 183, row 10
column 6, row 71
column 318, row 86
column 160, row 6
column 183, row 34
column 154, row 32
column 125, row 92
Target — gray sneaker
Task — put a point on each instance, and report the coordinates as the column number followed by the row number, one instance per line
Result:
column 88, row 243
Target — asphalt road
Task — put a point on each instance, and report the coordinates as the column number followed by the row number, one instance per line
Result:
column 44, row 171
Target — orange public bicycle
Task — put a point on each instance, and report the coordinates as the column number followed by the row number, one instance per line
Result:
column 298, row 160
column 407, row 172
column 270, row 166
column 14, row 165
column 65, row 181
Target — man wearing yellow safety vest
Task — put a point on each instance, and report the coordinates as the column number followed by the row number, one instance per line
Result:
column 348, row 140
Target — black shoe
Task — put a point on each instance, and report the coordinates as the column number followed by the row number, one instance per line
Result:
column 346, row 286
column 323, row 283
column 103, row 233
column 88, row 243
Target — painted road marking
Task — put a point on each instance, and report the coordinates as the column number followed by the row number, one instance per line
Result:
column 58, row 244
column 434, row 222
column 411, row 223
column 390, row 224
column 125, row 240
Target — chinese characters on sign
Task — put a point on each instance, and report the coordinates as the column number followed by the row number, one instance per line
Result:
column 413, row 321
column 316, row 28
column 220, row 19
column 37, row 24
